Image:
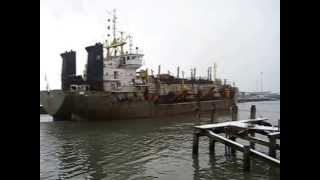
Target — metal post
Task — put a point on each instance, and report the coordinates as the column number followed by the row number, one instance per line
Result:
column 246, row 158
column 213, row 112
column 253, row 112
column 278, row 124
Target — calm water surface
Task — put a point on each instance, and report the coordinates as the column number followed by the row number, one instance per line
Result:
column 143, row 149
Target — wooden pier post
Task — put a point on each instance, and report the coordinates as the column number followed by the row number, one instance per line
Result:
column 234, row 112
column 272, row 147
column 252, row 144
column 212, row 144
column 246, row 158
column 233, row 151
column 253, row 112
column 198, row 108
column 213, row 112
column 195, row 148
column 226, row 147
column 197, row 112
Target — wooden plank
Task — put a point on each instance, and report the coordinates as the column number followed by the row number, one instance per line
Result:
column 223, row 124
column 240, row 147
column 254, row 127
column 225, row 141
column 274, row 134
column 256, row 140
column 265, row 157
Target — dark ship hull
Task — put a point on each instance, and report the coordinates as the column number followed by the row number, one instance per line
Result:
column 64, row 105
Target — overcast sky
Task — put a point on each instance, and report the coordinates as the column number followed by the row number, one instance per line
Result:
column 241, row 36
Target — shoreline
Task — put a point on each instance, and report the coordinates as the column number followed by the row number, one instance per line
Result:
column 256, row 100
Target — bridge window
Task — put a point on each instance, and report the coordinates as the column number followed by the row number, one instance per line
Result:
column 116, row 74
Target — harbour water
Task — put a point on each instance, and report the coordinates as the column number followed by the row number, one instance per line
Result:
column 144, row 149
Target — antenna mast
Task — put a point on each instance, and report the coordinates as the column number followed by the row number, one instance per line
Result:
column 114, row 21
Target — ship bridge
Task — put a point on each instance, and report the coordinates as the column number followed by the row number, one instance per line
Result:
column 131, row 61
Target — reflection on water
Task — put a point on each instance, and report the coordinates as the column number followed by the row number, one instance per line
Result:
column 142, row 149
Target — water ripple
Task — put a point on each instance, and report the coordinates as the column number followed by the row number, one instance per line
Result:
column 141, row 149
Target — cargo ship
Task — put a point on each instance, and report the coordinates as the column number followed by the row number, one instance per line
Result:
column 113, row 86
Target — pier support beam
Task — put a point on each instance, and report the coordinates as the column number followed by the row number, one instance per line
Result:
column 253, row 112
column 212, row 144
column 234, row 112
column 195, row 148
column 233, row 151
column 273, row 146
column 197, row 113
column 252, row 144
column 246, row 158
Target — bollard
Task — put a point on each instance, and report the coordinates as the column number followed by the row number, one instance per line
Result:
column 246, row 158
column 253, row 112
column 213, row 112
column 195, row 148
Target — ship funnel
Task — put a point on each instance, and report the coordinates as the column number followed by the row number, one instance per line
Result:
column 95, row 66
column 68, row 68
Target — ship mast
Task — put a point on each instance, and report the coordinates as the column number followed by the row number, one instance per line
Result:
column 115, row 43
column 114, row 21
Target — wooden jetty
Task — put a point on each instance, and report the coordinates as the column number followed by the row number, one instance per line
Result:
column 243, row 129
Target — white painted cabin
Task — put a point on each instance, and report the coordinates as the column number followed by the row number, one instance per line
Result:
column 120, row 72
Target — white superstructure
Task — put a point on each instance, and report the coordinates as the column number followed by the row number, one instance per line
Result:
column 120, row 66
